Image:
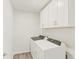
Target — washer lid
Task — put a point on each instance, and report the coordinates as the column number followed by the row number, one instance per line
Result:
column 44, row 44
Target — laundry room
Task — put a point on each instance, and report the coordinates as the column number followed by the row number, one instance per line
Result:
column 39, row 29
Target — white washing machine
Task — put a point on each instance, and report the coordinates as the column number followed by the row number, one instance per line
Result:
column 43, row 49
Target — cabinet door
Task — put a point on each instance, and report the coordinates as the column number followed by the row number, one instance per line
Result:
column 52, row 13
column 62, row 12
column 44, row 17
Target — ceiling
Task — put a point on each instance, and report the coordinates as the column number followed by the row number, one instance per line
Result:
column 29, row 5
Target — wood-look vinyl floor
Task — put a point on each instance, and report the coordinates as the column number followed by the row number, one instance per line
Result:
column 23, row 56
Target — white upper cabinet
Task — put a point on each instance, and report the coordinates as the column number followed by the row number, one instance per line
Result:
column 58, row 13
column 44, row 17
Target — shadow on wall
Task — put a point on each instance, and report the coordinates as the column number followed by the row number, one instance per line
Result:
column 69, row 56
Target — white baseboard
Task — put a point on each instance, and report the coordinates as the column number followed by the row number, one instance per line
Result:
column 20, row 52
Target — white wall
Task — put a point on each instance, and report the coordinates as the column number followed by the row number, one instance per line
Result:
column 26, row 25
column 67, row 35
column 8, row 28
column 64, row 34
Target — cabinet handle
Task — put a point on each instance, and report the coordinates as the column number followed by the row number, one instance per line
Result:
column 55, row 22
column 4, row 54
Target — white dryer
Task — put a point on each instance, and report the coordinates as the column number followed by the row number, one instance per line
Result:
column 43, row 49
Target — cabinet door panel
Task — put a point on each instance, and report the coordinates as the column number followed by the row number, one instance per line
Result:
column 62, row 12
column 41, row 19
column 52, row 13
column 44, row 17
